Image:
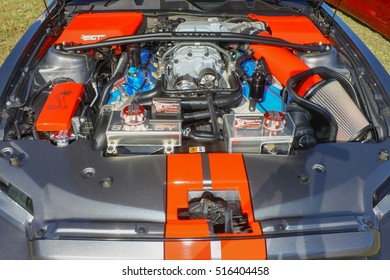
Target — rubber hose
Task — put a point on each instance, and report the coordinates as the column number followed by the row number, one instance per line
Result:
column 202, row 136
column 108, row 87
column 304, row 133
column 241, row 72
column 148, row 95
column 213, row 116
column 200, row 103
column 198, row 116
column 99, row 137
column 17, row 130
column 104, row 62
column 206, row 135
column 35, row 133
column 38, row 92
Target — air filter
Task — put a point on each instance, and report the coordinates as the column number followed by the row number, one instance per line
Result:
column 332, row 96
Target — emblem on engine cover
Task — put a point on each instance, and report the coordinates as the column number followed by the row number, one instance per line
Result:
column 92, row 37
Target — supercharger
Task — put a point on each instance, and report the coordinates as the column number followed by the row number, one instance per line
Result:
column 203, row 65
column 196, row 65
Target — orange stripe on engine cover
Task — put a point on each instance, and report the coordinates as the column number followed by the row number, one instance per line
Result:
column 187, row 250
column 185, row 174
column 228, row 173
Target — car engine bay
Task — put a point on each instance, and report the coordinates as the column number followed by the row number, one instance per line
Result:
column 174, row 88
column 174, row 125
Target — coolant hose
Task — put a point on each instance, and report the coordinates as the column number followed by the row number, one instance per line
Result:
column 148, row 95
column 201, row 136
column 213, row 116
column 206, row 135
column 241, row 72
column 199, row 115
column 119, row 73
column 222, row 100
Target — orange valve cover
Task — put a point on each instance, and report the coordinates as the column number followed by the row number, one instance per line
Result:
column 94, row 27
column 60, row 107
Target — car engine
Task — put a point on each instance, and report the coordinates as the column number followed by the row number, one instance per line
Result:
column 180, row 86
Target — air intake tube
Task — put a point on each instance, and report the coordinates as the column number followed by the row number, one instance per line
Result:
column 304, row 133
column 331, row 99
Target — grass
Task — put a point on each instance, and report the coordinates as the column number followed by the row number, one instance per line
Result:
column 17, row 16
column 378, row 44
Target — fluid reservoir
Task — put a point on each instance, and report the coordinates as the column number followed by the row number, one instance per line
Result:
column 274, row 121
column 133, row 114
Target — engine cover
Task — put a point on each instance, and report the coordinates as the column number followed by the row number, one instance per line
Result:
column 93, row 27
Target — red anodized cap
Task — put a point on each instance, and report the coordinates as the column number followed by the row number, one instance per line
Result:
column 133, row 114
column 274, row 121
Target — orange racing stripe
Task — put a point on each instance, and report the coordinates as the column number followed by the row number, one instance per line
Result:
column 185, row 172
column 228, row 173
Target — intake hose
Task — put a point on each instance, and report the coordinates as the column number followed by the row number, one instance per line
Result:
column 304, row 133
column 120, row 72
